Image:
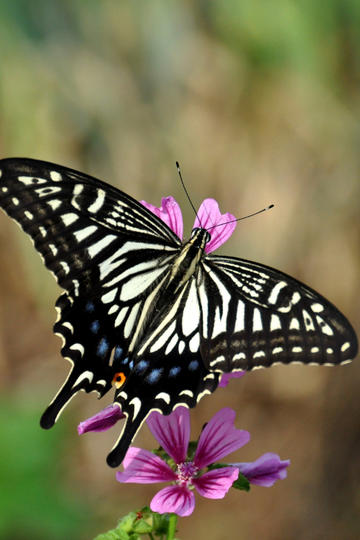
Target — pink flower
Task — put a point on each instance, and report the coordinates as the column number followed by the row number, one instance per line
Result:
column 265, row 470
column 225, row 377
column 103, row 420
column 218, row 438
column 220, row 226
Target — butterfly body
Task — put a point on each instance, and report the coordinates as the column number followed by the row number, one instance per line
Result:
column 157, row 319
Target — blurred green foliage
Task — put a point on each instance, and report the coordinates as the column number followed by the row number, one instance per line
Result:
column 35, row 502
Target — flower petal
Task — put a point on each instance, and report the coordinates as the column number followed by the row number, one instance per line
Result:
column 169, row 212
column 209, row 217
column 216, row 483
column 219, row 438
column 143, row 467
column 176, row 499
column 225, row 377
column 265, row 470
column 172, row 432
column 101, row 421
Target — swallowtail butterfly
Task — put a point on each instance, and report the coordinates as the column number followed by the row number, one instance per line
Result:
column 158, row 319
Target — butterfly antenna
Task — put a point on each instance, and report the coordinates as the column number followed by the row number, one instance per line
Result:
column 184, row 187
column 245, row 217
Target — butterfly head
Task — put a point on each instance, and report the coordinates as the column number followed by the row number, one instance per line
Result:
column 200, row 237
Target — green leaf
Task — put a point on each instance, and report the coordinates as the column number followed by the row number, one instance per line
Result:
column 242, row 483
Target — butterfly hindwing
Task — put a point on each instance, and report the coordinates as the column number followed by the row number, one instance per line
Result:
column 257, row 316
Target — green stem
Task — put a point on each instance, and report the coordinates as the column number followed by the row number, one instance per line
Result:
column 172, row 527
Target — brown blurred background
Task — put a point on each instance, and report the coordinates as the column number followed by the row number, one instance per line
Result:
column 260, row 103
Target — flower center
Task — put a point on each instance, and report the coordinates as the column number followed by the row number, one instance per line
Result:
column 185, row 473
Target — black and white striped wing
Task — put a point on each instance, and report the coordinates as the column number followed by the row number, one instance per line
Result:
column 106, row 250
column 254, row 316
column 167, row 370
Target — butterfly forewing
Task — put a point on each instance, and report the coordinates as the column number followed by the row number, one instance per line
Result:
column 82, row 227
column 255, row 316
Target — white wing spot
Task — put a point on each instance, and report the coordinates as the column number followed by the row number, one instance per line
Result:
column 191, row 313
column 69, row 219
column 275, row 292
column 171, row 344
column 240, row 317
column 78, row 347
column 84, row 233
column 86, row 375
column 314, row 350
column 345, row 346
column 194, row 343
column 113, row 309
column 55, row 176
column 181, row 346
column 137, row 405
column 309, row 323
column 101, row 244
column 65, row 266
column 257, row 322
column 4, row 189
column 186, row 393
column 317, row 308
column 275, row 323
column 29, row 180
column 164, row 396
column 16, row 201
column 297, row 349
column 68, row 325
column 164, row 337
column 329, row 350
column 47, row 190
column 28, row 214
column 277, row 350
column 296, row 297
column 239, row 356
column 294, row 324
column 259, row 354
column 109, row 296
column 42, row 231
column 54, row 204
column 130, row 321
column 325, row 328
column 119, row 319
column 99, row 201
column 53, row 249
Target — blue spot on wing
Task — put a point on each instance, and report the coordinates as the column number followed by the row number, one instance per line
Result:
column 154, row 375
column 174, row 371
column 103, row 347
column 194, row 364
column 94, row 327
column 90, row 307
column 118, row 352
column 141, row 366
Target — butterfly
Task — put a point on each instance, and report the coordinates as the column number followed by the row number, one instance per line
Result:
column 157, row 319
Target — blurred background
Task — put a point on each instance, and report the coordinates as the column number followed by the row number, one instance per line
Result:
column 260, row 103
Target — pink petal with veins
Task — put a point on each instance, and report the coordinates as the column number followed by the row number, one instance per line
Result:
column 143, row 467
column 101, row 421
column 175, row 499
column 216, row 483
column 170, row 213
column 219, row 438
column 209, row 217
column 172, row 432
